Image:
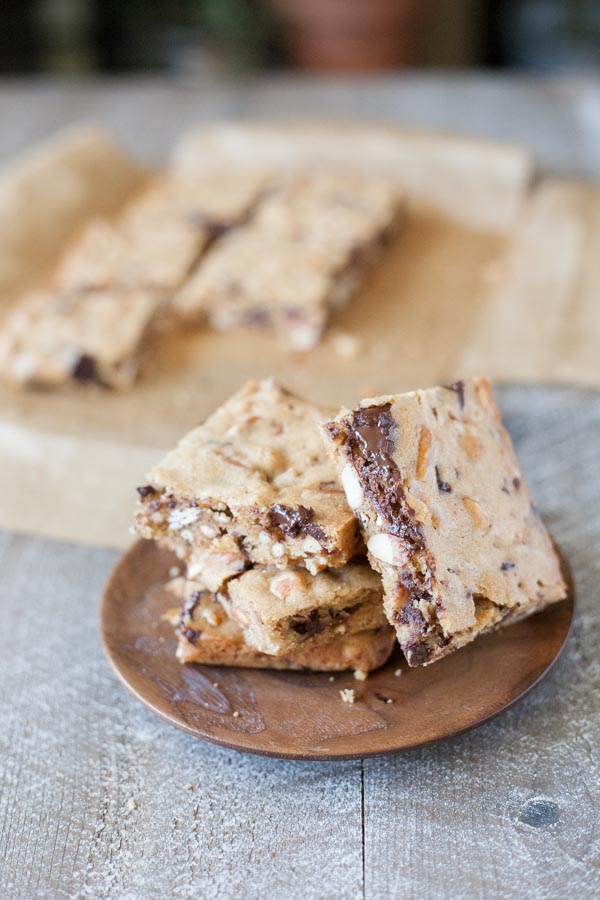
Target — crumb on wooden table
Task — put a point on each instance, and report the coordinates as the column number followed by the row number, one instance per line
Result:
column 398, row 673
column 347, row 695
column 360, row 675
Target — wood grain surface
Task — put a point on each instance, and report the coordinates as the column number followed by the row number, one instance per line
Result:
column 94, row 797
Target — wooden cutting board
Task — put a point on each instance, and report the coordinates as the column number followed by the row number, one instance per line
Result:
column 495, row 272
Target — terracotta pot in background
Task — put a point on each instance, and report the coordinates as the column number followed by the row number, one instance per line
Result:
column 351, row 35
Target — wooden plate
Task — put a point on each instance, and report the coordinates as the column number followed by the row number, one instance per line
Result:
column 300, row 715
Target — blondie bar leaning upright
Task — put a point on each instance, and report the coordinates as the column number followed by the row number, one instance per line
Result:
column 447, row 516
column 253, row 485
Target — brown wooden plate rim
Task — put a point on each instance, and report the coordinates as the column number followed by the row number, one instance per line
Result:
column 326, row 757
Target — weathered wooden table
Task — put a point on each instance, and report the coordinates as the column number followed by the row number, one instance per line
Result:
column 94, row 792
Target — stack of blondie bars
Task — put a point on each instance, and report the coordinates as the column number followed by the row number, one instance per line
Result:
column 313, row 539
column 228, row 249
column 275, row 565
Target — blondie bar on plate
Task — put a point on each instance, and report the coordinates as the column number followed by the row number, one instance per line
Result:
column 207, row 634
column 253, row 485
column 282, row 610
column 446, row 514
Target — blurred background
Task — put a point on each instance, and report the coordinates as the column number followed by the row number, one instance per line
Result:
column 213, row 38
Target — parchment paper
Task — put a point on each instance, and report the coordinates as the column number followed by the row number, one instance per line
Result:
column 47, row 194
column 445, row 299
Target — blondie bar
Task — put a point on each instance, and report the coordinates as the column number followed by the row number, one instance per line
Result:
column 303, row 255
column 282, row 610
column 206, row 634
column 253, row 485
column 50, row 339
column 161, row 234
column 447, row 516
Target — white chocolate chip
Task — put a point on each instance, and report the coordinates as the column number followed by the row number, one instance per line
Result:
column 311, row 545
column 157, row 518
column 360, row 675
column 179, row 518
column 352, row 488
column 387, row 549
column 278, row 549
column 194, row 568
